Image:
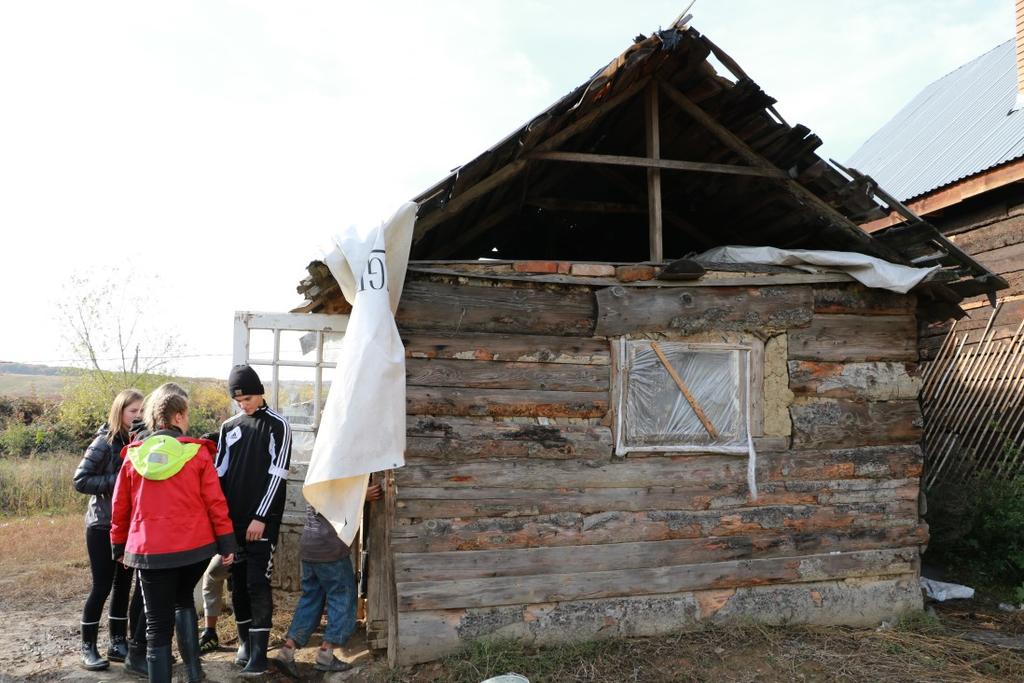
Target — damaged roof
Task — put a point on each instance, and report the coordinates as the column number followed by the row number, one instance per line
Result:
column 572, row 183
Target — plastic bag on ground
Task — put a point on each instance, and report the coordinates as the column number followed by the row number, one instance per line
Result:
column 942, row 591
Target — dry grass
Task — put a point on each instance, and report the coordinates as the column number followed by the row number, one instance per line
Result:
column 41, row 483
column 284, row 607
column 32, row 386
column 43, row 560
column 918, row 650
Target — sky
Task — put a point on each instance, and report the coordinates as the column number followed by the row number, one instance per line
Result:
column 204, row 152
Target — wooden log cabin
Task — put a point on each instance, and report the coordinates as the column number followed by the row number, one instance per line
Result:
column 559, row 482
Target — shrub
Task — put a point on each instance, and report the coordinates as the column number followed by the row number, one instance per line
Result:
column 977, row 530
column 33, row 426
column 21, row 409
column 30, row 426
column 87, row 399
column 18, row 439
column 210, row 405
column 42, row 436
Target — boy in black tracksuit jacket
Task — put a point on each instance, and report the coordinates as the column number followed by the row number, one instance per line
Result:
column 253, row 454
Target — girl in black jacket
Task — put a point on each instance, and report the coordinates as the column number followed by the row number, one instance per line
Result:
column 96, row 475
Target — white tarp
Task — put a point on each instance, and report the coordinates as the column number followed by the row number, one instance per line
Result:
column 362, row 429
column 868, row 270
column 941, row 591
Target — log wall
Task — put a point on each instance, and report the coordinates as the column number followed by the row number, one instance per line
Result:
column 974, row 383
column 990, row 228
column 513, row 518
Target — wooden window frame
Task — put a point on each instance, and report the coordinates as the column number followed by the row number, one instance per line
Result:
column 318, row 323
column 754, row 391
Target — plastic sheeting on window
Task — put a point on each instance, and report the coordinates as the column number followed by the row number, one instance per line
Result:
column 655, row 414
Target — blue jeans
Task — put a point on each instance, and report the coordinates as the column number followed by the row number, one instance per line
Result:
column 333, row 583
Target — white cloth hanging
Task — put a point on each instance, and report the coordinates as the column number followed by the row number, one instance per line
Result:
column 362, row 429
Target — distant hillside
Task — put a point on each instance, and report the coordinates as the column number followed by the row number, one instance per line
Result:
column 37, row 385
column 8, row 368
column 24, row 380
column 37, row 381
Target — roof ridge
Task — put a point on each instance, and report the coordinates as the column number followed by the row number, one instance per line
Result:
column 967, row 63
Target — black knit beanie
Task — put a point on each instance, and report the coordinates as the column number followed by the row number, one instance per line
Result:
column 243, row 381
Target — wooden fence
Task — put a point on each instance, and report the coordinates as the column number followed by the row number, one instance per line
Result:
column 972, row 400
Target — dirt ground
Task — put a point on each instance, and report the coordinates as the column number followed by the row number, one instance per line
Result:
column 44, row 580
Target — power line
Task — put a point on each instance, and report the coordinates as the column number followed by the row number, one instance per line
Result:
column 116, row 358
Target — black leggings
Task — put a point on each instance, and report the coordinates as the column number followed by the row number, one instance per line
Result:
column 167, row 590
column 106, row 574
column 136, row 613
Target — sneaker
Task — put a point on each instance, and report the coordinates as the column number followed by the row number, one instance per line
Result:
column 284, row 660
column 334, row 664
column 208, row 642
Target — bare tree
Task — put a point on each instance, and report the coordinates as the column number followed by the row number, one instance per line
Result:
column 113, row 327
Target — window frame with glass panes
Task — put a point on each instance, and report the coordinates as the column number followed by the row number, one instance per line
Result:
column 653, row 413
column 265, row 342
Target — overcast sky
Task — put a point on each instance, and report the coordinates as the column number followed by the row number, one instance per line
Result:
column 218, row 144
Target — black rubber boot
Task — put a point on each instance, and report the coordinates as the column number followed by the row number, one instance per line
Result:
column 257, row 666
column 188, row 643
column 159, row 660
column 91, row 660
column 242, row 656
column 118, row 649
column 135, row 662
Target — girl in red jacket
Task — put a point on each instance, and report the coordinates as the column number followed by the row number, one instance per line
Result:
column 169, row 518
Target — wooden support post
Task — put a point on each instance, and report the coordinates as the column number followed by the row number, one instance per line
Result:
column 388, row 568
column 653, row 174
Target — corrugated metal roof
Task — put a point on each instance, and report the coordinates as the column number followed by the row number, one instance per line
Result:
column 957, row 126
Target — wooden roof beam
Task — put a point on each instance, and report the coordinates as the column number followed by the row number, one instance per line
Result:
column 663, row 164
column 956, row 253
column 798, row 191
